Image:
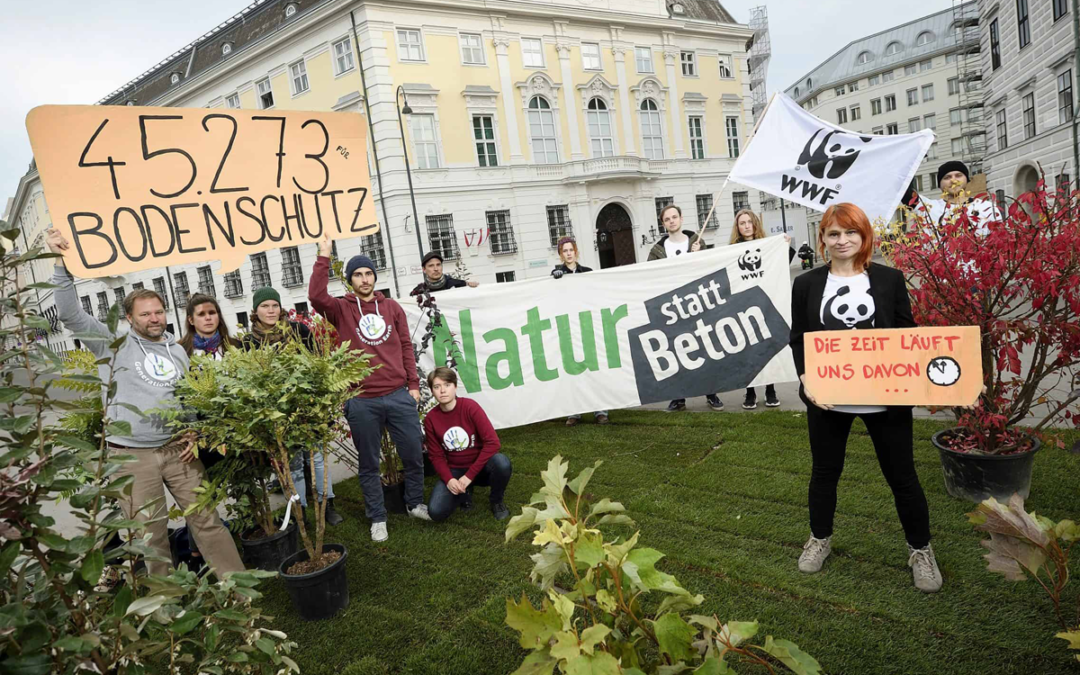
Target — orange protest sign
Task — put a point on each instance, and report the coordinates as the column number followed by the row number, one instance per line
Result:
column 135, row 187
column 895, row 366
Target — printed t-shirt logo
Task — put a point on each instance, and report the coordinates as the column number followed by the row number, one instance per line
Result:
column 372, row 328
column 159, row 367
column 455, row 439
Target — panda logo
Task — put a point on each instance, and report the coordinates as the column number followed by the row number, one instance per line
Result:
column 943, row 371
column 836, row 151
column 848, row 309
column 750, row 261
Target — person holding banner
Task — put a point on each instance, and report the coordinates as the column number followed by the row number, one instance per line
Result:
column 748, row 227
column 435, row 280
column 464, row 449
column 852, row 292
column 677, row 242
column 568, row 253
column 368, row 321
column 268, row 327
column 145, row 370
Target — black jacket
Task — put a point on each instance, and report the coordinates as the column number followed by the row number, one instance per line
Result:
column 892, row 307
column 251, row 341
column 581, row 269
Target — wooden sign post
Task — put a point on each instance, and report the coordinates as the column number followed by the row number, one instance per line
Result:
column 136, row 188
column 895, row 366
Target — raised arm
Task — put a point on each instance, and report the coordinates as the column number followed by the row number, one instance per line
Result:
column 68, row 309
column 318, row 295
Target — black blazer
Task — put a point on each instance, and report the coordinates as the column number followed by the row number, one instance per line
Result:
column 892, row 307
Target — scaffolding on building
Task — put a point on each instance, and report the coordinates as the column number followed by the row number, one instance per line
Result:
column 969, row 80
column 759, row 51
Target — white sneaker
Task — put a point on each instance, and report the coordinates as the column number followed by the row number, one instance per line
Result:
column 924, row 569
column 814, row 553
column 419, row 512
column 378, row 532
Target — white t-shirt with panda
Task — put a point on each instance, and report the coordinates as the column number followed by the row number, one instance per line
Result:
column 673, row 248
column 847, row 304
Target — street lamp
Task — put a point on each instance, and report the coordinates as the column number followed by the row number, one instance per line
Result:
column 408, row 171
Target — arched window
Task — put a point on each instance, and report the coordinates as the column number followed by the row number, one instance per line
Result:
column 796, row 92
column 893, row 49
column 599, row 121
column 226, row 49
column 174, row 78
column 652, row 136
column 809, row 84
column 865, row 57
column 925, row 38
column 290, row 9
column 542, row 131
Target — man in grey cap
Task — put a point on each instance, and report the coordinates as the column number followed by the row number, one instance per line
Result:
column 435, row 280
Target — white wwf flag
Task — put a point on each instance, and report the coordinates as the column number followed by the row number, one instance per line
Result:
column 811, row 162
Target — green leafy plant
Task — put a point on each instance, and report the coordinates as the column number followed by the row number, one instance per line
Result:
column 600, row 625
column 54, row 615
column 1025, row 546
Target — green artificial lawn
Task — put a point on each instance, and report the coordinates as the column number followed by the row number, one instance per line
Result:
column 724, row 497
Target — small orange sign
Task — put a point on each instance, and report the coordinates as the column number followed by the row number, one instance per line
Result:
column 895, row 366
column 136, row 188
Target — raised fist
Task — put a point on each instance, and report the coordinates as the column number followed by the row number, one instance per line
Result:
column 557, row 274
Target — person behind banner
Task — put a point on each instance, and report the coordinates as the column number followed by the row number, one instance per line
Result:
column 368, row 321
column 748, row 227
column 675, row 243
column 464, row 449
column 847, row 293
column 568, row 254
column 269, row 326
column 435, row 280
column 145, row 370
column 206, row 333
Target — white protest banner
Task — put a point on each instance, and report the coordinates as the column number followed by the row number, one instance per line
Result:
column 713, row 321
column 811, row 162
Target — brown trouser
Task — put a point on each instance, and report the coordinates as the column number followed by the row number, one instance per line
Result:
column 159, row 468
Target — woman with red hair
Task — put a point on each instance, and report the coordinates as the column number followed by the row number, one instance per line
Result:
column 853, row 292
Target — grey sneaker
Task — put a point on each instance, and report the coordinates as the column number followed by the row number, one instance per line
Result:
column 378, row 532
column 814, row 553
column 419, row 512
column 924, row 568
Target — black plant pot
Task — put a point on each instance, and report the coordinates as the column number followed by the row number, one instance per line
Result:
column 429, row 468
column 394, row 497
column 976, row 477
column 267, row 553
column 318, row 595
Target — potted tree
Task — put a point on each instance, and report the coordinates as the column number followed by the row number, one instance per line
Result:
column 277, row 400
column 1018, row 279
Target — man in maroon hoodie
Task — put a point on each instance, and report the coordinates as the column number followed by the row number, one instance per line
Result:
column 370, row 322
column 464, row 449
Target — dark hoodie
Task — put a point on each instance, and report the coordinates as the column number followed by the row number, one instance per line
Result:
column 658, row 252
column 377, row 327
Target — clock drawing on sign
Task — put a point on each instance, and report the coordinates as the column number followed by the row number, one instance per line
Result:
column 943, row 371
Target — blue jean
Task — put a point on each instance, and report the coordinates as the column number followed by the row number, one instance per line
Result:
column 495, row 474
column 595, row 414
column 367, row 417
column 296, row 468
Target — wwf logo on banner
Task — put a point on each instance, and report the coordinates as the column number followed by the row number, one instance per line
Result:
column 833, row 155
column 701, row 338
column 750, row 261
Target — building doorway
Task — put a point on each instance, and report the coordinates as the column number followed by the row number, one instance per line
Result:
column 615, row 237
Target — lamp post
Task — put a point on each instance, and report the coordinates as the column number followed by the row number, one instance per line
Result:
column 408, row 170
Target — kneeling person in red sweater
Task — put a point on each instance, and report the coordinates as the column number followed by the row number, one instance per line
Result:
column 464, row 449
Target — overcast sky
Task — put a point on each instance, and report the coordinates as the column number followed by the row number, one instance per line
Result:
column 74, row 51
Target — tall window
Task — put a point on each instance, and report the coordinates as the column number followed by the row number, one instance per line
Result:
column 472, row 49
column 873, row 80
column 298, row 78
column 914, row 124
column 484, row 137
column 913, row 97
column 995, row 46
column 265, row 94
column 86, row 304
column 643, row 59
column 1029, row 115
column 425, row 148
column 954, row 85
column 892, row 129
column 1023, row 23
column 1002, row 130
column 661, row 204
column 599, row 122
column 890, row 103
column 932, row 152
column 441, row 236
column 930, row 121
column 856, row 113
column 954, row 117
column 652, row 137
column 840, row 91
column 909, row 69
column 260, row 271
column 343, row 56
column 180, row 287
column 739, row 201
column 853, row 86
column 1061, row 7
column 689, row 63
column 119, row 293
column 841, row 116
column 875, row 106
column 542, row 131
column 927, row 92
column 1065, row 97
column 159, row 286
column 926, row 65
column 725, row 67
column 887, row 77
column 206, row 281
column 103, row 305
column 704, row 205
column 731, row 128
column 292, row 275
column 500, row 233
column 372, row 246
column 234, row 285
column 957, row 146
column 697, row 138
column 590, row 56
column 558, row 222
column 232, row 101
column 409, row 45
column 532, row 52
